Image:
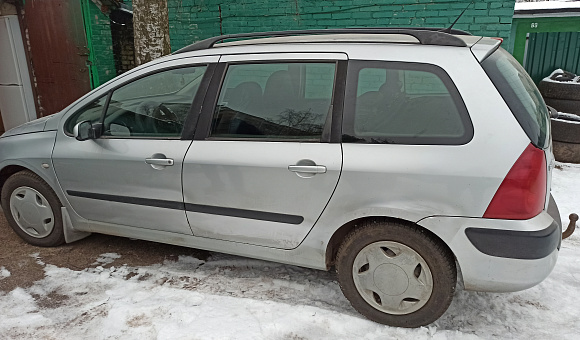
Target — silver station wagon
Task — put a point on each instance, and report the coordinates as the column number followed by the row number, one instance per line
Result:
column 403, row 158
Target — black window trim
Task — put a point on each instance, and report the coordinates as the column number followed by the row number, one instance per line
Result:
column 203, row 129
column 354, row 67
column 186, row 132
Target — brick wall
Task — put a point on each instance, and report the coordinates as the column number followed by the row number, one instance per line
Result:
column 102, row 42
column 193, row 20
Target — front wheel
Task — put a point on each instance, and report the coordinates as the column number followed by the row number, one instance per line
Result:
column 32, row 209
column 396, row 275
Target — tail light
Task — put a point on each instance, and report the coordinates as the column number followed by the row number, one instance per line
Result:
column 522, row 194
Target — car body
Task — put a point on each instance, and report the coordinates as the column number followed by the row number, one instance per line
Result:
column 291, row 149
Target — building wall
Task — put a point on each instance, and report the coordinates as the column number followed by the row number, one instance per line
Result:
column 194, row 20
column 100, row 44
column 545, row 43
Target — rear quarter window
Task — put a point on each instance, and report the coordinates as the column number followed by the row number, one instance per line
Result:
column 520, row 94
column 403, row 103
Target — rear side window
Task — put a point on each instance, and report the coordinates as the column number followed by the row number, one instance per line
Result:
column 403, row 103
column 274, row 101
column 520, row 94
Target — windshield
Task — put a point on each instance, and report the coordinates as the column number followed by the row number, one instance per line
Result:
column 520, row 94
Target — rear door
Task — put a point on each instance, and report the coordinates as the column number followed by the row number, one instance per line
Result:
column 265, row 159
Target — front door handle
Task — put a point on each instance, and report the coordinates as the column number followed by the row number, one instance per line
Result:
column 311, row 169
column 159, row 161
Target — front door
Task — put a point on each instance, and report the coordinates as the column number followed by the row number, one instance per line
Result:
column 261, row 168
column 131, row 175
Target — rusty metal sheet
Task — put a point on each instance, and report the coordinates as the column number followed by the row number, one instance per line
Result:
column 58, row 52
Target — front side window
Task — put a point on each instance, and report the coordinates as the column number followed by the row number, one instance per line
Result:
column 403, row 103
column 153, row 106
column 92, row 112
column 274, row 101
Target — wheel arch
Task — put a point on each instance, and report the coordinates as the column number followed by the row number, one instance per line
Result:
column 339, row 235
column 16, row 166
column 8, row 171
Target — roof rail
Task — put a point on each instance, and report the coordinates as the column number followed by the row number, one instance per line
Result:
column 425, row 35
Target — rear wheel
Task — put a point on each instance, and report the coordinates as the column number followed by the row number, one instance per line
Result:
column 396, row 274
column 32, row 209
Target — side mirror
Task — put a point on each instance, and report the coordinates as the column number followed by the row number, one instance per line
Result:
column 81, row 131
column 86, row 130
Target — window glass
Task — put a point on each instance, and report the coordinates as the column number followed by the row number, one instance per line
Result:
column 407, row 104
column 92, row 112
column 274, row 100
column 520, row 94
column 153, row 106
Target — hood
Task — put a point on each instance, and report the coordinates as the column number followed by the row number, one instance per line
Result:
column 36, row 125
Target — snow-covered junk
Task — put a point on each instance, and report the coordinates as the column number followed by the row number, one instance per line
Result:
column 561, row 90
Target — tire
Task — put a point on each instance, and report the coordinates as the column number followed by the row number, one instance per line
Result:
column 564, row 105
column 559, row 90
column 565, row 130
column 412, row 279
column 566, row 152
column 32, row 209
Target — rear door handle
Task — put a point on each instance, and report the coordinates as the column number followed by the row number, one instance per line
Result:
column 312, row 169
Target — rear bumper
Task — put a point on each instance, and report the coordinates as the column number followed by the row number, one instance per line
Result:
column 523, row 245
column 500, row 255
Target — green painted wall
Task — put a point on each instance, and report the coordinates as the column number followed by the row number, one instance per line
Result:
column 554, row 42
column 193, row 20
column 523, row 26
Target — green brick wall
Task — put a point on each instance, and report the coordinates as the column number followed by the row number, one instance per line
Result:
column 193, row 20
column 102, row 45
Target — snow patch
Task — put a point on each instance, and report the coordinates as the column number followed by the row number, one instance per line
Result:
column 569, row 115
column 568, row 118
column 107, row 258
column 4, row 273
column 548, row 79
column 37, row 257
column 528, row 6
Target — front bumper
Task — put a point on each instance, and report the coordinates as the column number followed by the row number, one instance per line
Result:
column 500, row 255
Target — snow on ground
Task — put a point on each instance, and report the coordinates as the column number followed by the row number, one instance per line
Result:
column 107, row 258
column 4, row 273
column 229, row 297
